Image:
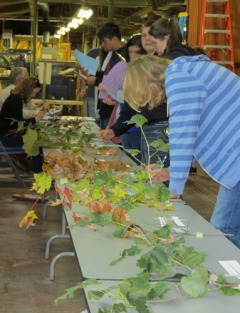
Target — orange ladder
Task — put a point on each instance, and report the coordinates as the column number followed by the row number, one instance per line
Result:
column 227, row 31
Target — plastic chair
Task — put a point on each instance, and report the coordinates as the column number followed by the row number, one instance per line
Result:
column 6, row 151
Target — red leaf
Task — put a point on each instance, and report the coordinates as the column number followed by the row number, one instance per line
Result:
column 67, row 193
column 58, row 190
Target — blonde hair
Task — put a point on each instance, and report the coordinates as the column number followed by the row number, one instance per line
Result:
column 145, row 81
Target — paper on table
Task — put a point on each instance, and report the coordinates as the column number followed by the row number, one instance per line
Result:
column 114, row 80
column 177, row 221
column 232, row 267
column 87, row 62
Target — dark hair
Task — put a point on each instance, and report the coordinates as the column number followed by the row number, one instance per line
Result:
column 134, row 41
column 109, row 30
column 148, row 24
column 26, row 87
column 164, row 27
column 198, row 50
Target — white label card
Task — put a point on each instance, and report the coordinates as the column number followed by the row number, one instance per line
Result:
column 162, row 221
column 232, row 267
column 177, row 221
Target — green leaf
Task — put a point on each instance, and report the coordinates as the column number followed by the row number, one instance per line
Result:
column 96, row 295
column 138, row 284
column 29, row 140
column 99, row 179
column 164, row 232
column 196, row 285
column 134, row 250
column 158, row 256
column 101, row 220
column 113, row 263
column 139, row 304
column 137, row 119
column 179, row 275
column 158, row 291
column 133, row 151
column 159, row 144
column 151, row 191
column 141, row 175
column 139, row 187
column 195, row 258
column 118, row 308
column 128, row 206
column 227, row 291
column 103, row 310
column 44, row 183
column 187, row 251
column 163, row 194
column 63, row 181
column 120, row 232
column 136, row 240
column 176, row 243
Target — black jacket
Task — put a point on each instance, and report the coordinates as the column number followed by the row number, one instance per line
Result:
column 12, row 108
column 155, row 115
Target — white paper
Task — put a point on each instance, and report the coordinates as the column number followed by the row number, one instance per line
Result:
column 178, row 230
column 177, row 221
column 162, row 221
column 83, row 75
column 229, row 268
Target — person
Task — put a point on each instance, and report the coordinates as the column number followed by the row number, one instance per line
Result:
column 90, row 92
column 13, row 109
column 198, row 50
column 17, row 75
column 132, row 138
column 204, row 108
column 110, row 37
column 157, row 118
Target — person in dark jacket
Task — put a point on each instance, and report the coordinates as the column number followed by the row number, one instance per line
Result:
column 13, row 109
column 166, row 38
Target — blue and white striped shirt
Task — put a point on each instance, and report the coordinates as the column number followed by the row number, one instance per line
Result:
column 204, row 108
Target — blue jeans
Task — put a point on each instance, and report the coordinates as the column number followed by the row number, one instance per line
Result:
column 91, row 107
column 154, row 132
column 132, row 140
column 226, row 215
column 104, row 123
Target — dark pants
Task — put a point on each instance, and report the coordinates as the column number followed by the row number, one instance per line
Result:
column 132, row 140
column 14, row 140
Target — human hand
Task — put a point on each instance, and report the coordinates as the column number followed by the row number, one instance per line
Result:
column 58, row 113
column 90, row 80
column 106, row 135
column 84, row 72
column 108, row 100
column 159, row 175
column 83, row 94
column 101, row 88
column 40, row 115
column 174, row 196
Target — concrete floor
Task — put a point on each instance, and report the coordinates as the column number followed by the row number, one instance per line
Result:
column 24, row 272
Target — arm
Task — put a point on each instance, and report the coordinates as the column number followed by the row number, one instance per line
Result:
column 99, row 78
column 118, row 96
column 126, row 114
column 186, row 96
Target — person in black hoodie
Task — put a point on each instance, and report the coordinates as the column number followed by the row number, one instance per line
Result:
column 166, row 38
column 110, row 37
column 13, row 109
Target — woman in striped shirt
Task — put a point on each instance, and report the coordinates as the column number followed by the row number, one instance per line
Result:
column 204, row 108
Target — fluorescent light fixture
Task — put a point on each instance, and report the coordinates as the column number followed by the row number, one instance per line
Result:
column 73, row 25
column 85, row 13
column 61, row 32
column 77, row 21
column 57, row 36
column 65, row 29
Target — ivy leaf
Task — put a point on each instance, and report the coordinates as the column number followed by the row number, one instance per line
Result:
column 159, row 144
column 126, row 205
column 196, row 285
column 139, row 304
column 96, row 295
column 158, row 256
column 195, row 258
column 118, row 308
column 137, row 119
column 138, row 284
column 158, row 291
column 227, row 291
column 120, row 232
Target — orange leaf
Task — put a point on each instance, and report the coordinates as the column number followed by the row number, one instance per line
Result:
column 58, row 190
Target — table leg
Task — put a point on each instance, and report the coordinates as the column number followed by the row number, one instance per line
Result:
column 60, row 255
column 47, row 204
column 62, row 235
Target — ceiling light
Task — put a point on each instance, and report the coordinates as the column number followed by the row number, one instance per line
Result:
column 85, row 13
column 61, row 32
column 77, row 21
column 65, row 29
column 57, row 36
column 73, row 25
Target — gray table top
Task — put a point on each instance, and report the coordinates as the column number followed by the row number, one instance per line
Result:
column 214, row 302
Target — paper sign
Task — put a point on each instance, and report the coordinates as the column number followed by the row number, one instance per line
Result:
column 177, row 221
column 162, row 221
column 87, row 62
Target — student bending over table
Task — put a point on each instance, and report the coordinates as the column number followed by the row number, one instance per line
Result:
column 13, row 108
column 204, row 108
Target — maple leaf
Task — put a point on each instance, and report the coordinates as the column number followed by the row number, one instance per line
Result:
column 42, row 183
column 77, row 218
column 28, row 219
column 68, row 194
column 120, row 213
column 29, row 140
column 83, row 195
column 58, row 201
